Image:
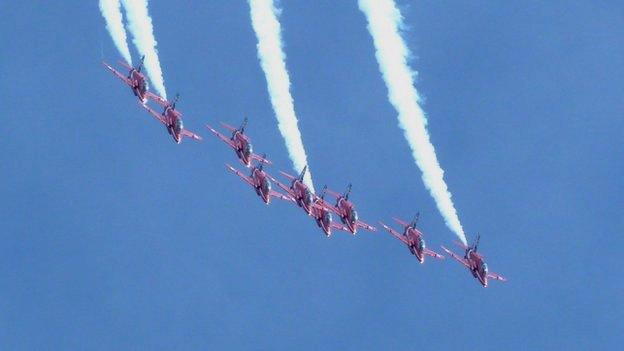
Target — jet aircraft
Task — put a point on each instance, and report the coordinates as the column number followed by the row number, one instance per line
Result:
column 475, row 263
column 323, row 216
column 172, row 119
column 298, row 190
column 413, row 238
column 240, row 143
column 135, row 80
column 346, row 210
column 259, row 180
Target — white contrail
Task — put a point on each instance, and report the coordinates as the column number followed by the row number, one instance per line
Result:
column 111, row 12
column 384, row 23
column 272, row 59
column 140, row 25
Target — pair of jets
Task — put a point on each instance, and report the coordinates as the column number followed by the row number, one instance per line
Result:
column 472, row 260
column 170, row 117
column 297, row 192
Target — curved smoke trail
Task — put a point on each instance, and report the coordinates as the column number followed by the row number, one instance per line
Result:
column 272, row 59
column 384, row 23
column 140, row 25
column 111, row 11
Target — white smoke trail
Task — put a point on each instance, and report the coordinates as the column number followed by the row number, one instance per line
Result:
column 111, row 12
column 140, row 25
column 384, row 23
column 272, row 59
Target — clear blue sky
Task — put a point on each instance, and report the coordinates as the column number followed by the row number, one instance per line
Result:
column 115, row 238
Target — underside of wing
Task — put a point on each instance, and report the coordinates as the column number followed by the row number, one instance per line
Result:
column 496, row 276
column 338, row 226
column 283, row 186
column 281, row 196
column 118, row 74
column 366, row 226
column 260, row 159
column 456, row 257
column 460, row 244
column 222, row 137
column 159, row 100
column 322, row 204
column 395, row 233
column 125, row 65
column 433, row 254
column 187, row 133
column 154, row 114
column 290, row 177
column 228, row 127
column 240, row 174
column 401, row 222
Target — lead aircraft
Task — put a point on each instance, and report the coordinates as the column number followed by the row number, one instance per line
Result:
column 413, row 238
column 135, row 80
column 475, row 263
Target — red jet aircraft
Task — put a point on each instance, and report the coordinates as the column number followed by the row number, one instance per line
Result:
column 260, row 182
column 240, row 143
column 320, row 212
column 298, row 190
column 413, row 238
column 172, row 119
column 475, row 263
column 135, row 80
column 346, row 210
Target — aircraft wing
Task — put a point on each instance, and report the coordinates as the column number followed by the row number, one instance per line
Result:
column 281, row 196
column 222, row 137
column 154, row 97
column 125, row 65
column 228, row 127
column 260, row 159
column 395, row 234
column 283, row 186
column 333, row 193
column 365, row 226
column 119, row 75
column 496, row 276
column 233, row 129
column 159, row 100
column 433, row 254
column 187, row 133
column 460, row 244
column 240, row 174
column 459, row 259
column 154, row 114
column 340, row 227
column 324, row 204
column 401, row 222
column 290, row 177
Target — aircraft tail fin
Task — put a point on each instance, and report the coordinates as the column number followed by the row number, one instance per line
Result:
column 415, row 220
column 243, row 125
column 305, row 168
column 141, row 63
column 348, row 192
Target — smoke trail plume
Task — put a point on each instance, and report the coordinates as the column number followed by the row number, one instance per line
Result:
column 140, row 25
column 111, row 11
column 384, row 23
column 272, row 59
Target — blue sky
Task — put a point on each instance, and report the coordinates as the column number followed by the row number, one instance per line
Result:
column 116, row 238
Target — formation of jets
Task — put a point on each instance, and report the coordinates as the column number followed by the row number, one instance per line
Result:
column 296, row 191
